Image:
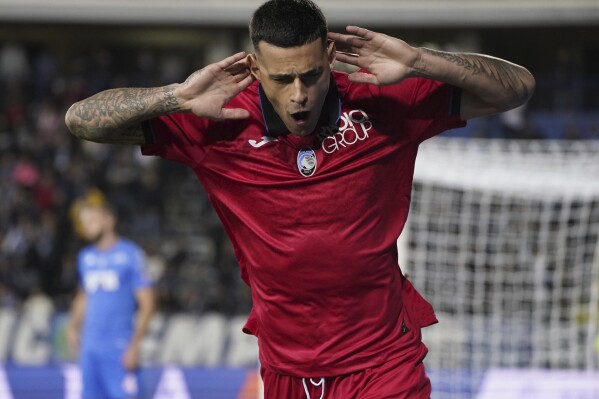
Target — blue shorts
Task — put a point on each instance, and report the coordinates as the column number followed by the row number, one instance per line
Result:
column 104, row 376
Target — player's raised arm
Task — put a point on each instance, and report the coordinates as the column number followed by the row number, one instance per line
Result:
column 489, row 85
column 114, row 116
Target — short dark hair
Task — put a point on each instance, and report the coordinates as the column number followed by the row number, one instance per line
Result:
column 288, row 23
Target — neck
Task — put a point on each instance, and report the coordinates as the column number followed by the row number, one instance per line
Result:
column 107, row 240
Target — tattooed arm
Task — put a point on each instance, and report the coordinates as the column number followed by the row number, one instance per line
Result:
column 489, row 85
column 114, row 116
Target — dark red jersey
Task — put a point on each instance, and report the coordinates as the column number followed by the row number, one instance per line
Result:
column 314, row 220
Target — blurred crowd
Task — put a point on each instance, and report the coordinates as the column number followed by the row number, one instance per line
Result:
column 43, row 170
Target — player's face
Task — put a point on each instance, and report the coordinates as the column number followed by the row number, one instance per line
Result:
column 296, row 81
column 95, row 222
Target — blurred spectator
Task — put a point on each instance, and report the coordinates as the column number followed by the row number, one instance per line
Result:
column 45, row 70
column 516, row 125
column 14, row 64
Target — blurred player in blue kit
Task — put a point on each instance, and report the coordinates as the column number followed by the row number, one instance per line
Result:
column 112, row 308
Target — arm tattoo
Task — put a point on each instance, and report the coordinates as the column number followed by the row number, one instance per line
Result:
column 114, row 116
column 507, row 75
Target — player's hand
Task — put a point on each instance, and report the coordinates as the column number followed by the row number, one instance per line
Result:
column 389, row 60
column 208, row 90
column 131, row 358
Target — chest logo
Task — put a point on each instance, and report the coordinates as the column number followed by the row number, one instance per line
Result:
column 105, row 280
column 353, row 129
column 306, row 162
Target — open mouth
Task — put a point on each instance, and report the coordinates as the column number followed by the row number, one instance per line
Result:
column 301, row 116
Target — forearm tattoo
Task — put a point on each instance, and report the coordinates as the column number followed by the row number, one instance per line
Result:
column 113, row 116
column 508, row 75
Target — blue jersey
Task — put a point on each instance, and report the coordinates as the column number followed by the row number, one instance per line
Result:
column 110, row 279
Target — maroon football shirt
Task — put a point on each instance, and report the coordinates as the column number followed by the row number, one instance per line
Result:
column 314, row 220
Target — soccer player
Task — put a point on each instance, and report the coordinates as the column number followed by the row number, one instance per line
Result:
column 310, row 171
column 114, row 288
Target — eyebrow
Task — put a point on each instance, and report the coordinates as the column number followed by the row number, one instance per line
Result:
column 284, row 76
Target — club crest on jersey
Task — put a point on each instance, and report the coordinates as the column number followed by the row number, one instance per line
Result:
column 306, row 162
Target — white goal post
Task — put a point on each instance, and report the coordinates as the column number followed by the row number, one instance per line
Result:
column 503, row 240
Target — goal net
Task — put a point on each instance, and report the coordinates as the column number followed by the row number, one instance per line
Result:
column 502, row 239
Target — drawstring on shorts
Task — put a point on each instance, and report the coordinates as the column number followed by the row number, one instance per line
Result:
column 316, row 384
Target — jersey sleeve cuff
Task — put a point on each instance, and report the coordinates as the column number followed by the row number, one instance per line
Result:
column 455, row 101
column 148, row 132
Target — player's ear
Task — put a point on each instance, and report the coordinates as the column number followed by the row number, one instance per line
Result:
column 331, row 52
column 252, row 62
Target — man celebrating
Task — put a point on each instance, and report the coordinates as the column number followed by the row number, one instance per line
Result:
column 114, row 288
column 310, row 171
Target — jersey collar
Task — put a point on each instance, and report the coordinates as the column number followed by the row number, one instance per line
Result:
column 331, row 111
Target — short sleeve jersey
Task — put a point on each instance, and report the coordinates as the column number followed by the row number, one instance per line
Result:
column 314, row 220
column 110, row 279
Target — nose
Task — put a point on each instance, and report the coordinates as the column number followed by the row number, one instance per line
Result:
column 300, row 94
